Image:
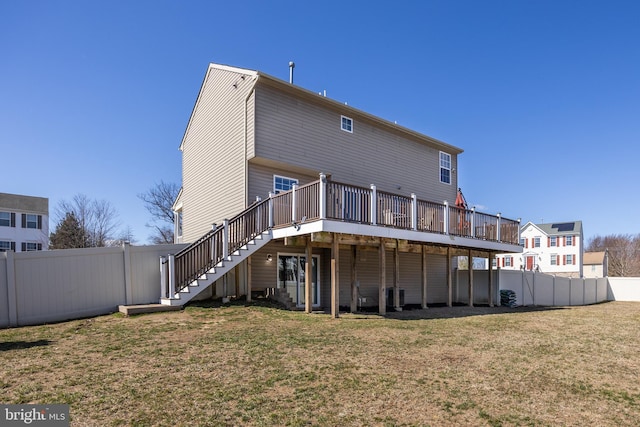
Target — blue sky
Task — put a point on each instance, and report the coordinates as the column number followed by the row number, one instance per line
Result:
column 543, row 96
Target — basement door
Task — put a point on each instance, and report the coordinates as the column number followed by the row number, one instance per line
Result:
column 291, row 276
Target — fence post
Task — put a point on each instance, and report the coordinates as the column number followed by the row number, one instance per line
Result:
column 128, row 287
column 498, row 238
column 270, row 213
column 294, row 187
column 322, row 196
column 225, row 239
column 446, row 217
column 414, row 211
column 12, row 299
column 172, row 276
column 473, row 222
column 374, row 205
column 163, row 277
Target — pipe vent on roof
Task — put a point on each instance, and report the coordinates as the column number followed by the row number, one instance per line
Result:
column 292, row 65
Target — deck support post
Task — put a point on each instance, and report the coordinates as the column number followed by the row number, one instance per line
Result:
column 294, row 189
column 270, row 213
column 172, row 276
column 490, row 279
column 225, row 240
column 374, row 205
column 382, row 285
column 396, row 278
column 446, row 219
column 473, row 222
column 414, row 211
column 322, row 194
column 449, row 279
column 308, row 276
column 248, row 278
column 354, row 278
column 424, row 277
column 335, row 275
column 470, row 268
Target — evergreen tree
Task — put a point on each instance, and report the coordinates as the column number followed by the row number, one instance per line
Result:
column 69, row 234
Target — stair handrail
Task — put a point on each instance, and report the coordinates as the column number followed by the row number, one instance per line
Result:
column 207, row 252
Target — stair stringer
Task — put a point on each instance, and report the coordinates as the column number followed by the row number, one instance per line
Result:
column 219, row 270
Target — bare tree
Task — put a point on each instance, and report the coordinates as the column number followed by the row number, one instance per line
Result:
column 624, row 253
column 97, row 218
column 159, row 202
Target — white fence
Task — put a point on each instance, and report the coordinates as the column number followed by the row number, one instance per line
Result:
column 624, row 289
column 51, row 286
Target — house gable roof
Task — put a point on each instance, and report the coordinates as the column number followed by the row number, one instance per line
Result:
column 557, row 228
column 591, row 258
column 260, row 78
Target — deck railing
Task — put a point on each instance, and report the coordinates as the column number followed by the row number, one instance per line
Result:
column 324, row 199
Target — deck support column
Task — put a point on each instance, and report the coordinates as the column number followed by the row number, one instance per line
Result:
column 490, row 279
column 396, row 278
column 248, row 278
column 382, row 285
column 424, row 277
column 470, row 279
column 449, row 279
column 335, row 274
column 354, row 278
column 308, row 275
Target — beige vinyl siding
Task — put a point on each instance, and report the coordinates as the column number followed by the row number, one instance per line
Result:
column 308, row 135
column 214, row 154
column 437, row 288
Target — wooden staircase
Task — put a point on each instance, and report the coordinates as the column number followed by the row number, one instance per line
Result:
column 199, row 265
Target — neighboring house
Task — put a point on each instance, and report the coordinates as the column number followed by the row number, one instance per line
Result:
column 595, row 264
column 553, row 248
column 310, row 184
column 24, row 223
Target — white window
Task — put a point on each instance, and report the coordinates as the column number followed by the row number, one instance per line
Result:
column 536, row 242
column 30, row 246
column 569, row 241
column 554, row 259
column 570, row 259
column 6, row 245
column 553, row 241
column 494, row 262
column 508, row 261
column 32, row 221
column 522, row 241
column 282, row 183
column 346, row 124
column 445, row 168
column 5, row 219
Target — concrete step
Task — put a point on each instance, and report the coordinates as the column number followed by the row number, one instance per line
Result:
column 130, row 310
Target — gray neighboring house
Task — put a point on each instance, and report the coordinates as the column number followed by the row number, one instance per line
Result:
column 24, row 223
column 293, row 195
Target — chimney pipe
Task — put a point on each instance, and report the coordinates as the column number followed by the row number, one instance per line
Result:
column 291, row 67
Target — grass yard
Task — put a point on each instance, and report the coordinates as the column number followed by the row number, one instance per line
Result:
column 260, row 366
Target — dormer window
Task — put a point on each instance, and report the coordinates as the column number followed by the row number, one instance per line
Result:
column 347, row 124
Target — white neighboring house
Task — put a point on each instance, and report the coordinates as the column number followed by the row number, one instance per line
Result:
column 553, row 248
column 24, row 223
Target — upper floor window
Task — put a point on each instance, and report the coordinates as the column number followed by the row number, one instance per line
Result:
column 569, row 241
column 346, row 124
column 30, row 221
column 282, row 183
column 445, row 168
column 553, row 241
column 536, row 242
column 7, row 219
column 522, row 241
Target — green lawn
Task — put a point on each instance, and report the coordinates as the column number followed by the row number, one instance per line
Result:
column 259, row 365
